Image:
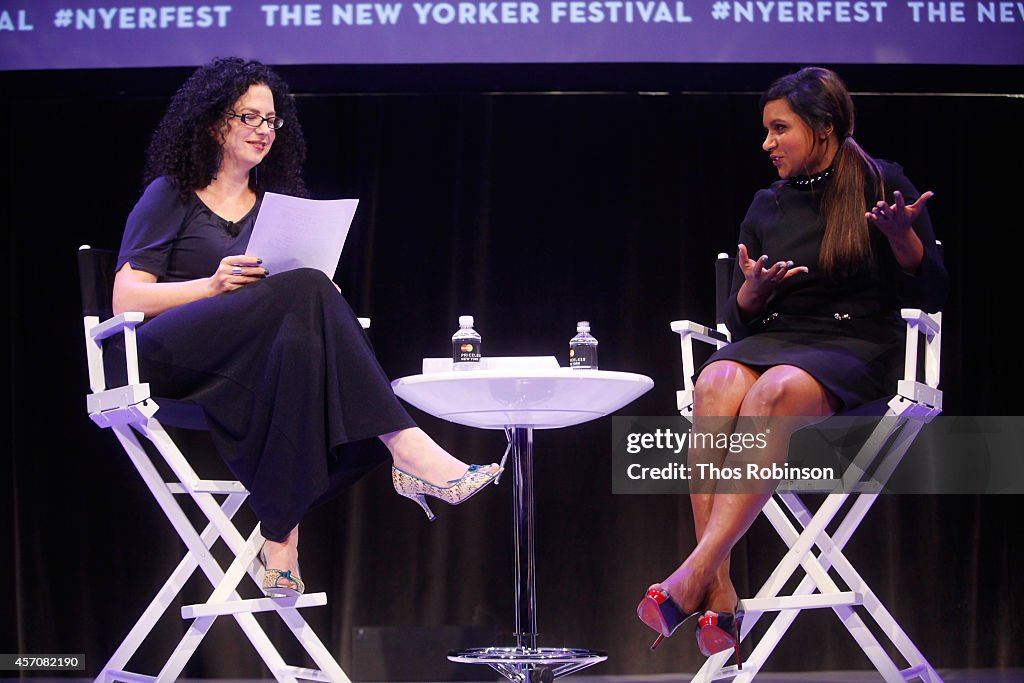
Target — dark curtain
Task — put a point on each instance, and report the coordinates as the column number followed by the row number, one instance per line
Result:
column 530, row 211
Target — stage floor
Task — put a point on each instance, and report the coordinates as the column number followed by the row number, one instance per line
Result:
column 959, row 676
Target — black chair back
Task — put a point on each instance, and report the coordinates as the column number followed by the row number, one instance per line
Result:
column 724, row 268
column 96, row 280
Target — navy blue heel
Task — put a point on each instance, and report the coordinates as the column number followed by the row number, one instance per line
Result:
column 661, row 613
column 719, row 631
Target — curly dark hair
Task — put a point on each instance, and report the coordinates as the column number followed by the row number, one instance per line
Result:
column 185, row 149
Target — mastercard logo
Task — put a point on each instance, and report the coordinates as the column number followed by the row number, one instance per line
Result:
column 466, row 348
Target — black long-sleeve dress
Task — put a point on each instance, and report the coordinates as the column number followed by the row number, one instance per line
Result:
column 847, row 334
column 281, row 367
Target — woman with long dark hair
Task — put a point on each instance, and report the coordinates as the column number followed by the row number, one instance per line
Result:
column 279, row 364
column 827, row 257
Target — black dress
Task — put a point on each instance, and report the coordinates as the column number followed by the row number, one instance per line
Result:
column 281, row 367
column 846, row 334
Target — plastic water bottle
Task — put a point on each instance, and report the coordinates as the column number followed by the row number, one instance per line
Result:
column 583, row 348
column 465, row 345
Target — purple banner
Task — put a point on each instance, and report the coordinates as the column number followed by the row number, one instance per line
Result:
column 61, row 34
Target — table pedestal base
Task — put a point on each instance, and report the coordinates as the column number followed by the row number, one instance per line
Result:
column 530, row 665
column 526, row 663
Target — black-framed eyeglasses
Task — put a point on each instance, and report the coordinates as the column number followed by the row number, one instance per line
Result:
column 255, row 120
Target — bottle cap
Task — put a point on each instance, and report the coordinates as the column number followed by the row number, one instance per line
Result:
column 583, row 326
column 465, row 321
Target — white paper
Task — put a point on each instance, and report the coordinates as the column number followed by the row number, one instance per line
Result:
column 291, row 232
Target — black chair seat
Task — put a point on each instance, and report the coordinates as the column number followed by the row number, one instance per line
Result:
column 181, row 414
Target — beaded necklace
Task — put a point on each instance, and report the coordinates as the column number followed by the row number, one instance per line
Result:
column 807, row 182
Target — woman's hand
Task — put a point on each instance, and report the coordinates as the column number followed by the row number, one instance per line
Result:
column 760, row 280
column 235, row 272
column 894, row 221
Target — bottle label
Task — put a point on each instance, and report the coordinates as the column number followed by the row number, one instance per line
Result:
column 583, row 357
column 466, row 351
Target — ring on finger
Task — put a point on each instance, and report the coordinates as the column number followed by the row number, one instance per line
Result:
column 236, row 271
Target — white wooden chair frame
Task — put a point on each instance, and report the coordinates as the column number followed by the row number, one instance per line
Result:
column 130, row 410
column 803, row 531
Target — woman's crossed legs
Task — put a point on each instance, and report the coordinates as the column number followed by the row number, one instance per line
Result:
column 732, row 397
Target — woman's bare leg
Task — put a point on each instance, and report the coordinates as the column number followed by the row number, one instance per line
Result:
column 718, row 395
column 780, row 392
column 284, row 554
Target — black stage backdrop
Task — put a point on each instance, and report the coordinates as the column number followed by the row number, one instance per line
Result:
column 530, row 211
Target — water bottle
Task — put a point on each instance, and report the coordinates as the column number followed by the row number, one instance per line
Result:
column 583, row 348
column 465, row 345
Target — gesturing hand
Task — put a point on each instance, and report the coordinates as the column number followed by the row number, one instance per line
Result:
column 760, row 281
column 895, row 220
column 235, row 272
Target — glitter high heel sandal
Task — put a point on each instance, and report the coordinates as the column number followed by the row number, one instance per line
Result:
column 660, row 612
column 719, row 631
column 281, row 583
column 459, row 490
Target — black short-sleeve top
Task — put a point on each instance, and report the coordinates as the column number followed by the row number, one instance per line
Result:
column 180, row 239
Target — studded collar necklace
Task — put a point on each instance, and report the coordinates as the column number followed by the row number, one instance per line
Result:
column 807, row 182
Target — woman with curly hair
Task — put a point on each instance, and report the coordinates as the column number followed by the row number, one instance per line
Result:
column 280, row 365
column 827, row 257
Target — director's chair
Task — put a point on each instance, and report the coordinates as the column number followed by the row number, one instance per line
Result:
column 901, row 418
column 130, row 411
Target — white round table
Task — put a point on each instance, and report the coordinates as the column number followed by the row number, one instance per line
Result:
column 519, row 401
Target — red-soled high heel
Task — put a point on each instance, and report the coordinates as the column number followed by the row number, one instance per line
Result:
column 719, row 631
column 660, row 612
